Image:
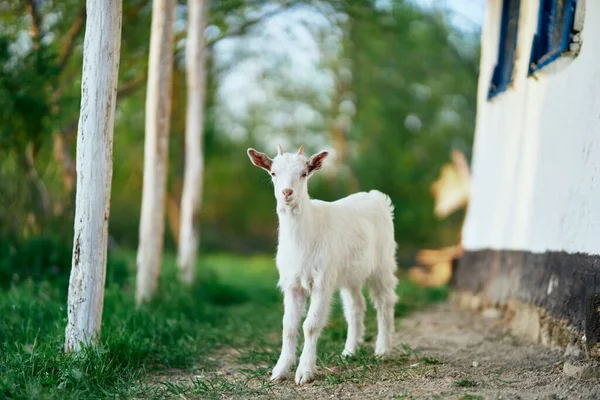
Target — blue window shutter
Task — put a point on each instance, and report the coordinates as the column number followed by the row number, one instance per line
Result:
column 554, row 32
column 509, row 27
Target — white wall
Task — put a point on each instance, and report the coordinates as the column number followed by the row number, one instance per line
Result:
column 536, row 162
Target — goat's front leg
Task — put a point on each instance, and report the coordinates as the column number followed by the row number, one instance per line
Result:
column 316, row 319
column 294, row 302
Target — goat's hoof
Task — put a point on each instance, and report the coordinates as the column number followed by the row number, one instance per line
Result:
column 304, row 376
column 382, row 353
column 278, row 378
column 348, row 353
column 280, row 374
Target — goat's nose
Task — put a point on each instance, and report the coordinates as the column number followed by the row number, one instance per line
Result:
column 287, row 192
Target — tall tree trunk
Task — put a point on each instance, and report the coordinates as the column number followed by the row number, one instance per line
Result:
column 173, row 216
column 102, row 47
column 38, row 189
column 158, row 113
column 62, row 141
column 36, row 23
column 194, row 158
column 174, row 208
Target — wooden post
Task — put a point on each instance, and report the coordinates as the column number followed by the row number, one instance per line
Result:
column 94, row 166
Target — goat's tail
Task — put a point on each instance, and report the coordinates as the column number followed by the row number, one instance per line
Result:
column 385, row 199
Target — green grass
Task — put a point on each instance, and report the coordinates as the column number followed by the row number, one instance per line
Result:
column 469, row 396
column 234, row 304
column 465, row 383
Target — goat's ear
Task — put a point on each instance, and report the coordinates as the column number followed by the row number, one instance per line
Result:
column 260, row 159
column 316, row 161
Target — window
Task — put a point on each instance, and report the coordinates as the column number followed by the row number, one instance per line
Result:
column 554, row 33
column 507, row 49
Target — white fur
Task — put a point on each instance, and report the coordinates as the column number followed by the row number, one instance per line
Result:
column 329, row 246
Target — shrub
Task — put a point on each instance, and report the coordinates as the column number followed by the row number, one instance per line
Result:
column 48, row 259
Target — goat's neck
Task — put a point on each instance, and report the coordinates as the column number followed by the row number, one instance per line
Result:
column 295, row 217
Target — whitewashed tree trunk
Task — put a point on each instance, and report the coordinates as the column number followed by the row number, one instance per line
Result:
column 94, row 166
column 194, row 158
column 158, row 114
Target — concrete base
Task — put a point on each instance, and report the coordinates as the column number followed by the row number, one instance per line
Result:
column 531, row 323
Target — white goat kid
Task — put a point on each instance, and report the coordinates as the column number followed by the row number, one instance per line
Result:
column 325, row 246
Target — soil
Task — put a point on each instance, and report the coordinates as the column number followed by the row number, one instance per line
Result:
column 460, row 355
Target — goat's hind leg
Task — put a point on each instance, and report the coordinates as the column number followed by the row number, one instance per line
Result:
column 353, row 302
column 382, row 290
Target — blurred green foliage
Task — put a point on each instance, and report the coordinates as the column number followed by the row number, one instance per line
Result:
column 413, row 81
column 47, row 259
column 415, row 102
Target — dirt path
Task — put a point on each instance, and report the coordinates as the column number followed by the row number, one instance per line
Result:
column 457, row 355
column 478, row 360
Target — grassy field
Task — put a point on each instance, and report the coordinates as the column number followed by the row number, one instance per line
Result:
column 234, row 305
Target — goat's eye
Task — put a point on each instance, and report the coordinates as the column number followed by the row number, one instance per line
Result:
column 304, row 175
column 272, row 173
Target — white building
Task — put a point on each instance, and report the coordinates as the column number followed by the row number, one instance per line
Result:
column 532, row 231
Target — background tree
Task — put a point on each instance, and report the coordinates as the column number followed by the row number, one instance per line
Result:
column 427, row 111
column 40, row 90
column 158, row 115
column 195, row 59
column 276, row 70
